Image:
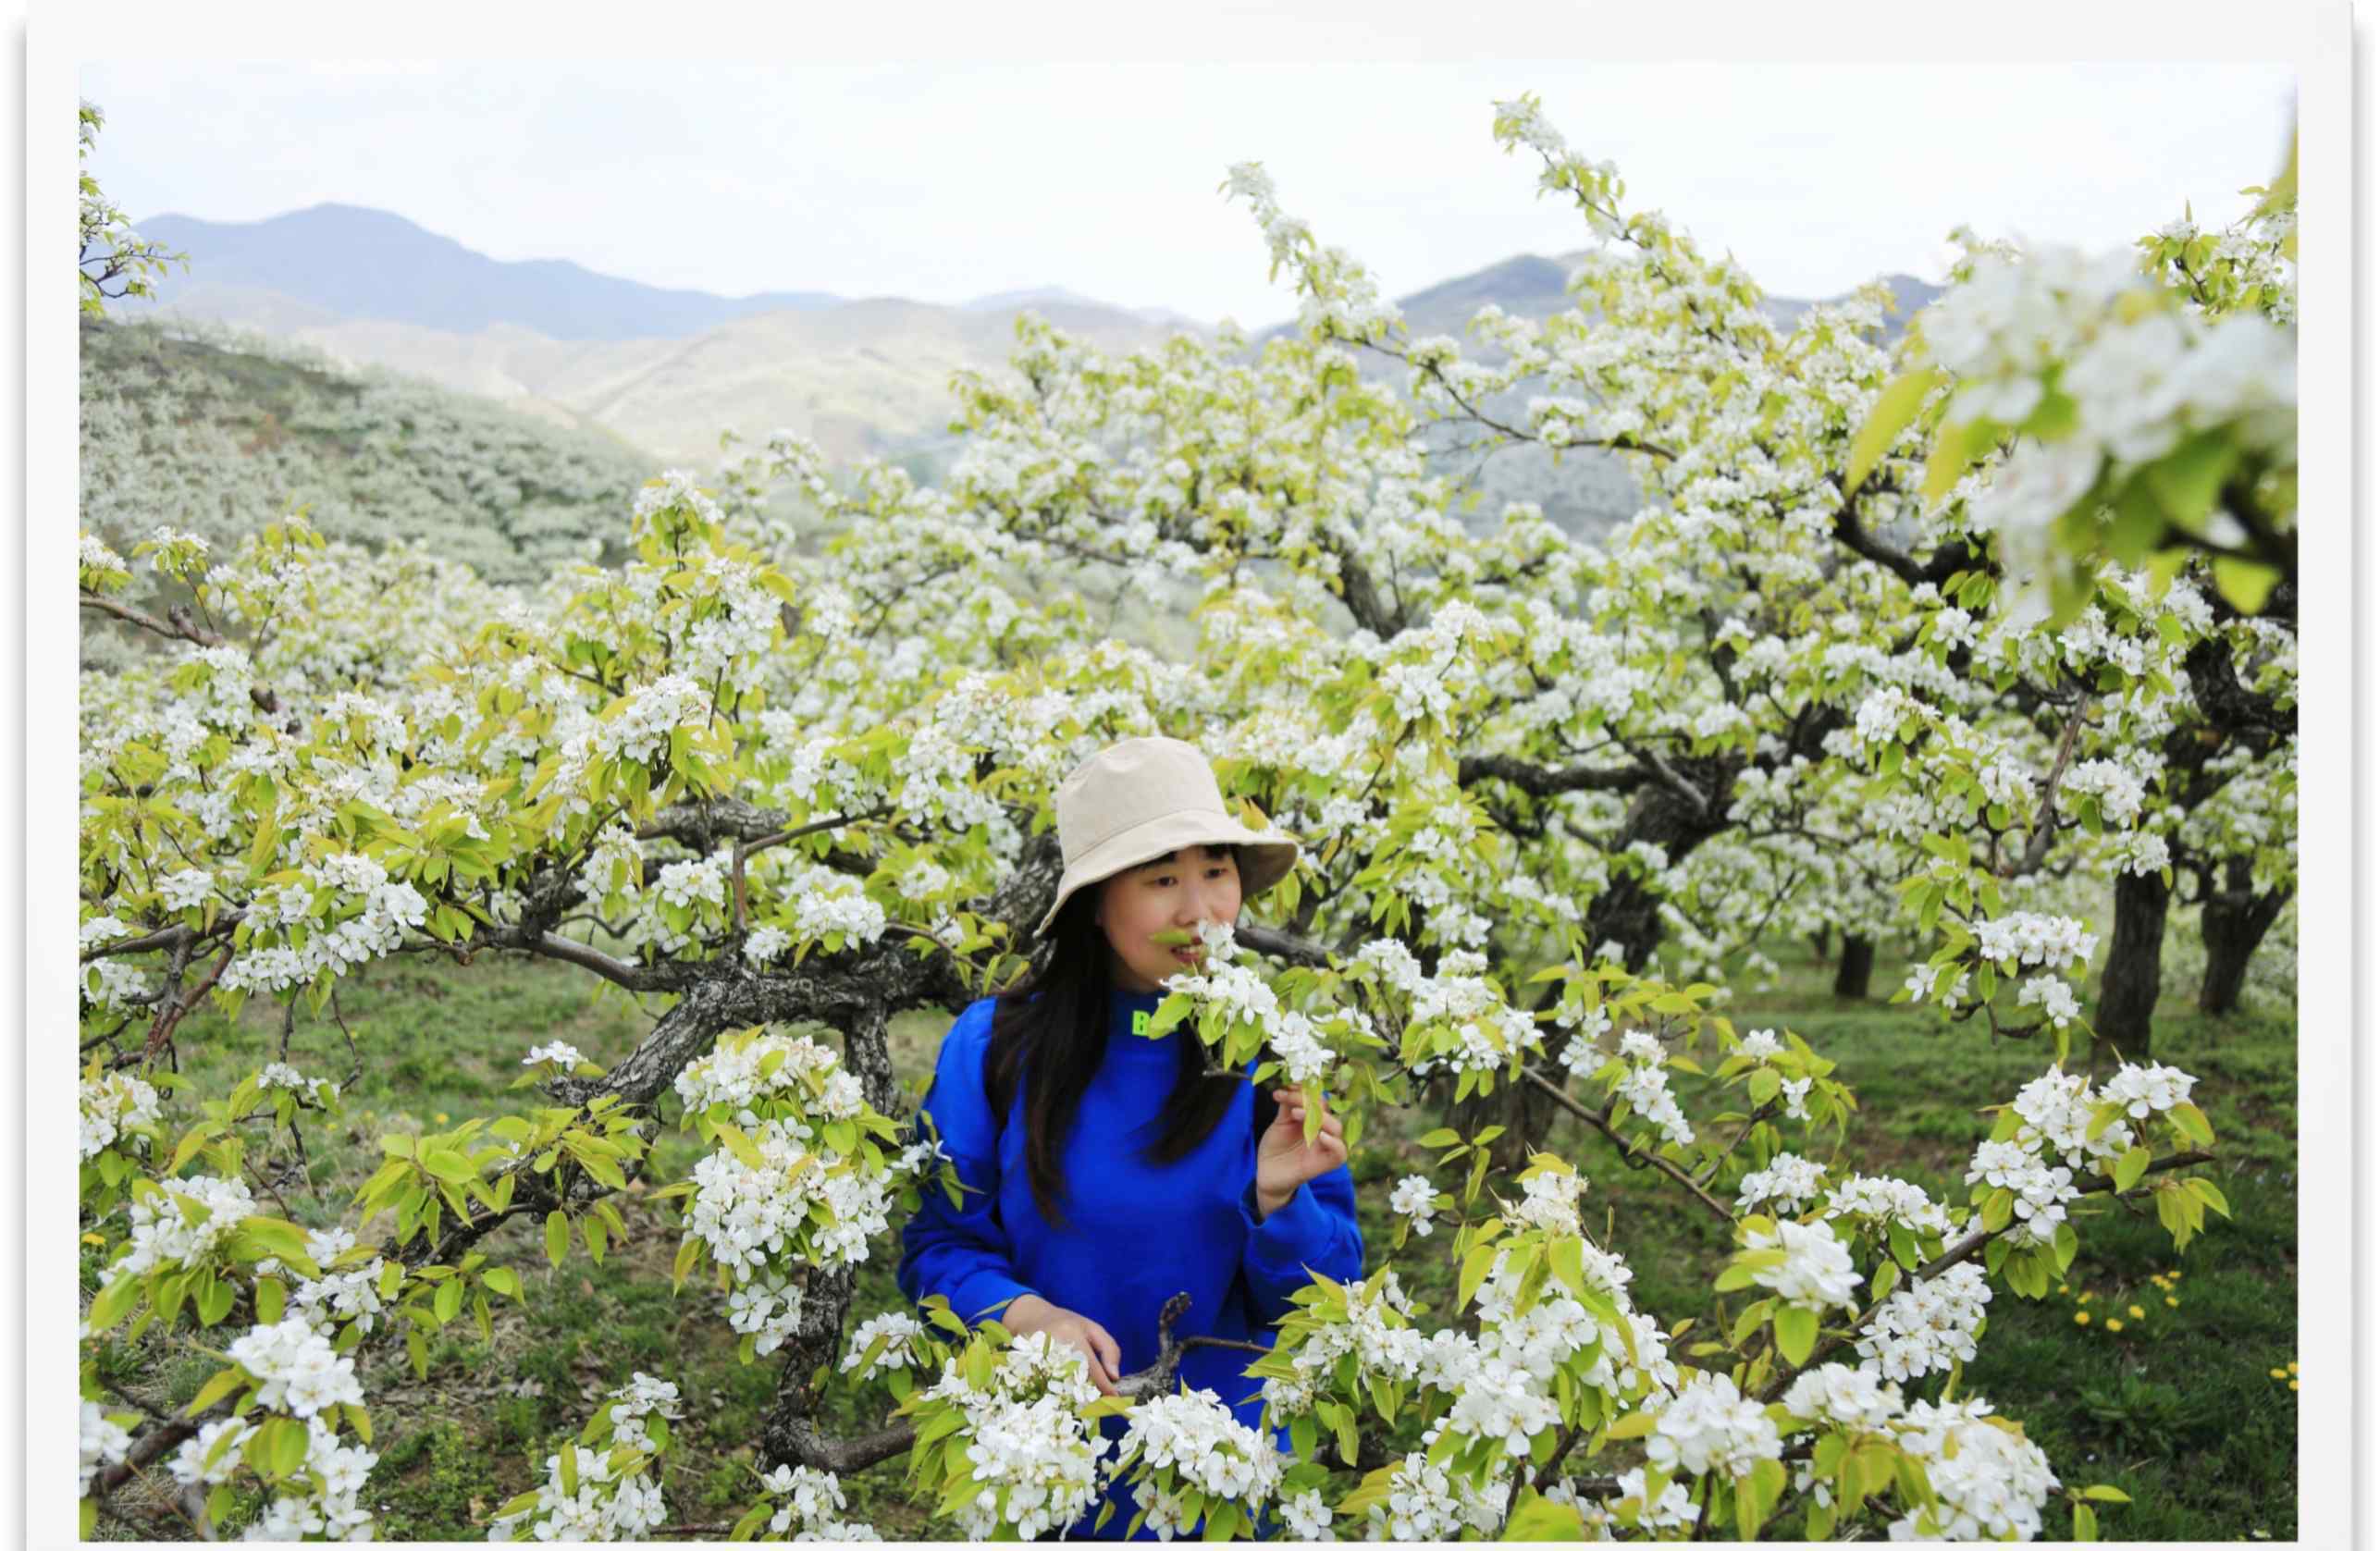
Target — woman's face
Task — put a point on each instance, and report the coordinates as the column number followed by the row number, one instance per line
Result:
column 1176, row 892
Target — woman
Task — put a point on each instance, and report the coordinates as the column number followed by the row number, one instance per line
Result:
column 1106, row 1171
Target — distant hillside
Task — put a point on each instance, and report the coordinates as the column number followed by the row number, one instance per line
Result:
column 358, row 264
column 861, row 378
column 667, row 371
column 220, row 435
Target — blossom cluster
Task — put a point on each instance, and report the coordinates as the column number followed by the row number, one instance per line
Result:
column 1926, row 1326
column 375, row 930
column 2027, row 938
column 1244, row 997
column 1036, row 1460
column 2040, row 1191
column 112, row 1103
column 1816, row 1271
column 749, row 1217
column 1177, row 1444
column 105, row 1441
column 1712, row 1425
column 295, row 1372
column 319, row 1501
column 1880, row 1198
column 812, row 1508
column 1645, row 1088
column 1989, row 1480
column 742, row 1070
column 162, row 1229
column 1790, row 1183
column 1486, row 1030
column 1415, row 1199
column 2055, row 1110
column 1427, row 1502
column 897, row 1331
column 296, row 1369
column 611, row 1490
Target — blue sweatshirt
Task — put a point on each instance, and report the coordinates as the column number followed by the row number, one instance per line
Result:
column 1136, row 1233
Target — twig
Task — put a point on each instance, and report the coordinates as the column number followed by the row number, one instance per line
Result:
column 1711, row 1203
column 1966, row 1248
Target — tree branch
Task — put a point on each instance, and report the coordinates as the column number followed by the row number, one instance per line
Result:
column 1711, row 1203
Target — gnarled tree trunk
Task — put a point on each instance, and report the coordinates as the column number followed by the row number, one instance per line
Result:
column 2128, row 987
column 1856, row 968
column 2233, row 922
column 1675, row 817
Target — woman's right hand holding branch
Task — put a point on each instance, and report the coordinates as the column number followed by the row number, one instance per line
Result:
column 1028, row 1312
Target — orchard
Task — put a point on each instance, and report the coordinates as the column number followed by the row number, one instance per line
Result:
column 1974, row 641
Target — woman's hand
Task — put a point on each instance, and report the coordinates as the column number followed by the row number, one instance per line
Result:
column 1028, row 1312
column 1284, row 1161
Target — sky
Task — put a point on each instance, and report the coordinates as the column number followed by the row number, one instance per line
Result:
column 946, row 181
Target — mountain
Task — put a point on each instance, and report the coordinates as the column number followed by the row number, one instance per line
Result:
column 667, row 371
column 360, row 263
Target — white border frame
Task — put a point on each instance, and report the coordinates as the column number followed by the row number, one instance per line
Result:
column 2315, row 38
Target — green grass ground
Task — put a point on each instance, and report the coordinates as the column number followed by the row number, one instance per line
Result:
column 2178, row 1408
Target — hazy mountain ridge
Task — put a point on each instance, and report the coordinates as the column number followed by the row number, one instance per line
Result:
column 859, row 376
column 363, row 263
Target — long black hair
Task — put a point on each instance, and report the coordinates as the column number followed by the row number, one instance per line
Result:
column 1051, row 1029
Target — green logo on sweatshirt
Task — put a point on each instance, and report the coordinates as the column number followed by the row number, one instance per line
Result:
column 1140, row 1023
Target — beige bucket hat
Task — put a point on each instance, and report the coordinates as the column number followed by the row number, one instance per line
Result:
column 1137, row 799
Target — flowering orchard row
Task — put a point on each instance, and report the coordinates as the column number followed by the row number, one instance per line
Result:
column 1831, row 677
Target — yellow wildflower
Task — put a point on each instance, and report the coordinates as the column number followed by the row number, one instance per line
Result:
column 2136, row 1313
column 2081, row 1318
column 2293, row 1384
column 2280, row 1372
column 2114, row 1325
column 2173, row 1303
column 2293, row 1370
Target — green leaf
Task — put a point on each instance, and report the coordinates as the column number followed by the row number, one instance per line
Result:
column 2245, row 585
column 2188, row 479
column 557, row 1236
column 2105, row 1494
column 1636, row 1425
column 449, row 1165
column 1475, row 1272
column 1895, row 407
column 289, row 1446
column 1796, row 1333
column 2127, row 1170
column 1536, row 1518
column 216, row 1389
column 502, row 1279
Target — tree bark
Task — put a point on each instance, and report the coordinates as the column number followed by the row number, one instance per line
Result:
column 1857, row 968
column 2128, row 987
column 1628, row 910
column 2233, row 922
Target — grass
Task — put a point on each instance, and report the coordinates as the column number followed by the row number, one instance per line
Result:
column 2177, row 1409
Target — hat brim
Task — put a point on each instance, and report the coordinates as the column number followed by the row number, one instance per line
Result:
column 1264, row 859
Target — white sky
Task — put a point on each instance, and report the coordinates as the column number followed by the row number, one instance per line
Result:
column 943, row 181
